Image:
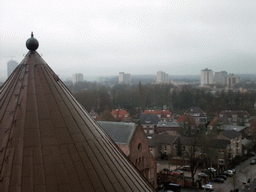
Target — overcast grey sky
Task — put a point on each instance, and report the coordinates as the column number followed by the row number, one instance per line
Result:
column 103, row 37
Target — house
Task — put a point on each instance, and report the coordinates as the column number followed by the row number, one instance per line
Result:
column 235, row 138
column 94, row 115
column 247, row 146
column 217, row 152
column 132, row 140
column 164, row 115
column 235, row 117
column 149, row 122
column 172, row 128
column 161, row 145
column 121, row 115
column 188, row 124
column 198, row 114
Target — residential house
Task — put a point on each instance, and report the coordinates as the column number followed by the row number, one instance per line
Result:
column 217, row 152
column 172, row 128
column 188, row 124
column 132, row 140
column 94, row 115
column 247, row 146
column 121, row 115
column 235, row 117
column 164, row 115
column 198, row 114
column 161, row 145
column 149, row 123
column 235, row 138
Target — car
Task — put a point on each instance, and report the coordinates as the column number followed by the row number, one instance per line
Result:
column 246, row 180
column 212, row 169
column 202, row 175
column 228, row 173
column 185, row 168
column 253, row 162
column 218, row 180
column 208, row 187
column 252, row 153
column 233, row 170
column 222, row 176
column 179, row 171
column 175, row 173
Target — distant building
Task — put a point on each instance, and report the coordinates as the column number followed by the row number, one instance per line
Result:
column 220, row 77
column 124, row 78
column 78, row 77
column 121, row 115
column 232, row 80
column 164, row 115
column 206, row 77
column 198, row 114
column 162, row 77
column 11, row 65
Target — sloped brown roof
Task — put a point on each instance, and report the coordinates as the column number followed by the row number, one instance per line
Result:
column 48, row 142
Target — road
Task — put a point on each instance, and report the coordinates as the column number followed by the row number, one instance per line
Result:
column 244, row 170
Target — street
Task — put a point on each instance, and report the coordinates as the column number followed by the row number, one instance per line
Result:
column 244, row 170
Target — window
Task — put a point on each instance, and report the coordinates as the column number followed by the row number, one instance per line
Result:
column 183, row 147
column 175, row 146
column 139, row 146
column 165, row 147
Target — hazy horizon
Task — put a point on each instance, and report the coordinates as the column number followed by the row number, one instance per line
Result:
column 100, row 38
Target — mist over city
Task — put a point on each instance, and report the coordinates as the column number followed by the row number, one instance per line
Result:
column 103, row 38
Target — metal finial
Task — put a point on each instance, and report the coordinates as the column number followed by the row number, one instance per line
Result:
column 32, row 35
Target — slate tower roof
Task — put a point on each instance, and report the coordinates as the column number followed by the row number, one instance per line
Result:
column 48, row 142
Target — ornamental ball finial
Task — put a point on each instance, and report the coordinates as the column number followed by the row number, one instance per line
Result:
column 32, row 43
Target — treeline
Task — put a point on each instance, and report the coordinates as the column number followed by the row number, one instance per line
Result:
column 137, row 98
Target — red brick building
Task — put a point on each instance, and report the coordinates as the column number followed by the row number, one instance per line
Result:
column 132, row 140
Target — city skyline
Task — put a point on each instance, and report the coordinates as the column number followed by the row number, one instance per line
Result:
column 102, row 38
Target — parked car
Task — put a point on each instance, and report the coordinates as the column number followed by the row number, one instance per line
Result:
column 228, row 173
column 252, row 153
column 233, row 170
column 179, row 171
column 175, row 173
column 202, row 175
column 246, row 180
column 208, row 187
column 218, row 180
column 185, row 168
column 222, row 176
column 253, row 162
column 212, row 169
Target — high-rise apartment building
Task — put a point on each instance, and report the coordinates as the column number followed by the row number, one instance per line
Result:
column 162, row 77
column 206, row 77
column 78, row 77
column 220, row 77
column 124, row 78
column 232, row 80
column 11, row 65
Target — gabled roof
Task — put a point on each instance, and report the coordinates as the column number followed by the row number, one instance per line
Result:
column 196, row 110
column 149, row 119
column 120, row 114
column 186, row 118
column 230, row 134
column 163, row 113
column 218, row 143
column 48, row 142
column 120, row 132
column 162, row 139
